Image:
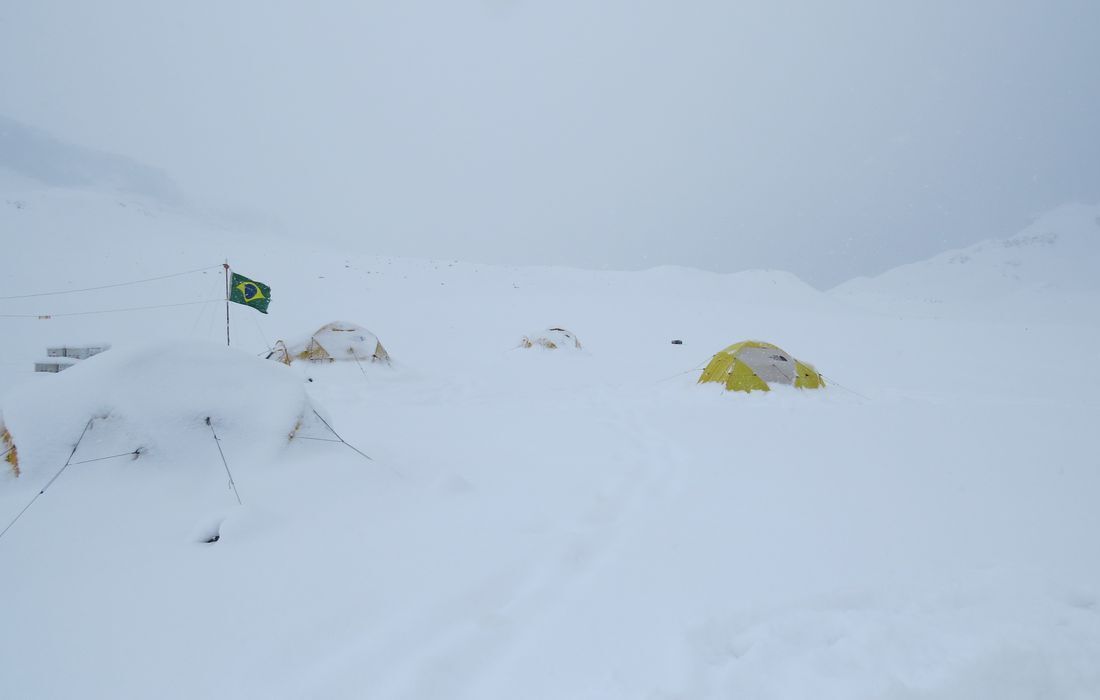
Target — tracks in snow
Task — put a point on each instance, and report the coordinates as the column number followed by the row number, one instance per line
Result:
column 470, row 642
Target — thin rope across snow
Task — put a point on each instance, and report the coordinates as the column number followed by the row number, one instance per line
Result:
column 109, row 286
column 45, row 317
column 50, row 482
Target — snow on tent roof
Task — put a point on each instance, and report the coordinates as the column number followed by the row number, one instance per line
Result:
column 339, row 340
column 753, row 365
column 157, row 398
column 551, row 339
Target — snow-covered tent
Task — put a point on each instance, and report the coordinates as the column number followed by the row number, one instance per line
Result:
column 156, row 401
column 551, row 339
column 338, row 340
column 752, row 365
column 8, row 451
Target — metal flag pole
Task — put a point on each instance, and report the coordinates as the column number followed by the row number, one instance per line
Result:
column 226, row 266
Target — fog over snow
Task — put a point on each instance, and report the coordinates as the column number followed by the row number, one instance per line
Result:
column 534, row 522
column 509, row 481
column 829, row 139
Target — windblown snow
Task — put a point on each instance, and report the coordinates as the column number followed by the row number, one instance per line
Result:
column 589, row 524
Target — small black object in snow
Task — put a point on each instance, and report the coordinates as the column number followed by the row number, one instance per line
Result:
column 677, row 342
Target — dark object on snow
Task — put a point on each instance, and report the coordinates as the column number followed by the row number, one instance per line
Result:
column 677, row 342
column 213, row 539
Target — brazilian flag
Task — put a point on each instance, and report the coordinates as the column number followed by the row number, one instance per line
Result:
column 249, row 292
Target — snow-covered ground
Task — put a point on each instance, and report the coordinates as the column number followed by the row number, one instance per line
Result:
column 546, row 524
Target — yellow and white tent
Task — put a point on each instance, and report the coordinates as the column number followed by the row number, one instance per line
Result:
column 752, row 365
column 7, row 448
column 334, row 341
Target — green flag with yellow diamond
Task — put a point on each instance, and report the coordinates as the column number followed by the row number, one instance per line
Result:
column 249, row 292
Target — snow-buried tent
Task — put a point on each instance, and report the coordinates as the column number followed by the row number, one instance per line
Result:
column 334, row 341
column 551, row 339
column 8, row 449
column 752, row 365
column 154, row 402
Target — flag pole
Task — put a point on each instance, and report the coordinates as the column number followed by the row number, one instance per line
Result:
column 226, row 266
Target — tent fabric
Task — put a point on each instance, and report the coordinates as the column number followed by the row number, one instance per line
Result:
column 753, row 365
column 551, row 339
column 334, row 341
column 806, row 377
column 7, row 448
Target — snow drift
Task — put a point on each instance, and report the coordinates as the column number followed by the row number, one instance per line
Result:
column 535, row 524
column 157, row 399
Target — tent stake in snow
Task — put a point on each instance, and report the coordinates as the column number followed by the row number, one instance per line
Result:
column 50, row 482
column 218, row 442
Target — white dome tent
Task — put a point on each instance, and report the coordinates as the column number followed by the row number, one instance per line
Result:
column 551, row 339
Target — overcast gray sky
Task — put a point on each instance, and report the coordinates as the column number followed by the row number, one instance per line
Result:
column 827, row 138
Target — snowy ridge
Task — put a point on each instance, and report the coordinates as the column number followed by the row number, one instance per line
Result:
column 1059, row 252
column 29, row 154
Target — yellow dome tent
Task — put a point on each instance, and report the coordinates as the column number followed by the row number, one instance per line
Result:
column 752, row 365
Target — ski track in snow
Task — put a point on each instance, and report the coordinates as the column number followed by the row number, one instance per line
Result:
column 454, row 667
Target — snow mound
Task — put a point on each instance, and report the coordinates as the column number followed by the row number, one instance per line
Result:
column 1060, row 251
column 155, row 399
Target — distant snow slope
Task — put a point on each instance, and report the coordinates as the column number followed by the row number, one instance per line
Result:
column 26, row 152
column 1059, row 252
column 591, row 524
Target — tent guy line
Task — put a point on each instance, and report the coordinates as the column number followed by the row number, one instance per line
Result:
column 46, row 317
column 50, row 482
column 348, row 444
column 111, row 286
column 699, row 366
column 838, row 384
column 218, row 442
column 136, row 453
column 361, row 370
column 333, row 431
